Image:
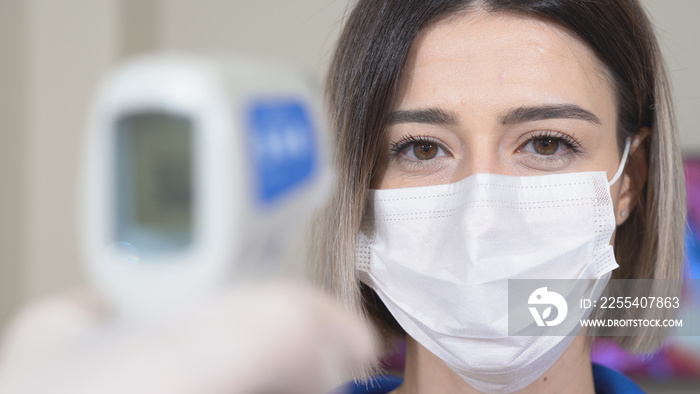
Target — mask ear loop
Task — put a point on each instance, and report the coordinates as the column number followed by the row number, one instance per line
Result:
column 622, row 162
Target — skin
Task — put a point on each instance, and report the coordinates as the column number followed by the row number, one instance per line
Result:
column 476, row 69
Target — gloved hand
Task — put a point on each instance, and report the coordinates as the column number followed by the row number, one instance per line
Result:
column 277, row 337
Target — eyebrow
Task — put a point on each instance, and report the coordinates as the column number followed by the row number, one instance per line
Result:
column 430, row 116
column 518, row 115
column 544, row 112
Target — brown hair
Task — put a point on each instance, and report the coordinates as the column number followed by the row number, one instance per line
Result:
column 362, row 86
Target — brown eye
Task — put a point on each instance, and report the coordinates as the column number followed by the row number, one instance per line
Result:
column 425, row 150
column 421, row 150
column 545, row 146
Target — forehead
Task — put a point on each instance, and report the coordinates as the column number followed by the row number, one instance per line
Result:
column 501, row 58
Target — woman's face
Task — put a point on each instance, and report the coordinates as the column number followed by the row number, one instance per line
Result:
column 501, row 94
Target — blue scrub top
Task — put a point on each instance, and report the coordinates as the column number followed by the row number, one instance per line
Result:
column 606, row 381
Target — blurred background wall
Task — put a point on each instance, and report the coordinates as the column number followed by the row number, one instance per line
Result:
column 53, row 53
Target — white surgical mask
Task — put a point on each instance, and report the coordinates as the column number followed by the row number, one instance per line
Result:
column 440, row 258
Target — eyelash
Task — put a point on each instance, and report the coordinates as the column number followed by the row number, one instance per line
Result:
column 570, row 141
column 396, row 148
column 400, row 146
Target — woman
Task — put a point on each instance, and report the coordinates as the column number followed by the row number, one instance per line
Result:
column 436, row 98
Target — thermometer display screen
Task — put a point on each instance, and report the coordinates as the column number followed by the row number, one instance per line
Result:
column 155, row 181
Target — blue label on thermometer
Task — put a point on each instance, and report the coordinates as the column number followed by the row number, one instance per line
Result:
column 283, row 147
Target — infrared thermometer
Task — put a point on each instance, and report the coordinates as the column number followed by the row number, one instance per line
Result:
column 198, row 170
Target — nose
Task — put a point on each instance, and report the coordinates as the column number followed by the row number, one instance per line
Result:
column 482, row 155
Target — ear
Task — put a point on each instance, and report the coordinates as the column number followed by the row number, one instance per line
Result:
column 635, row 175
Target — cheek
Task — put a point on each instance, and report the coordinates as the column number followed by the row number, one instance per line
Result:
column 390, row 177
